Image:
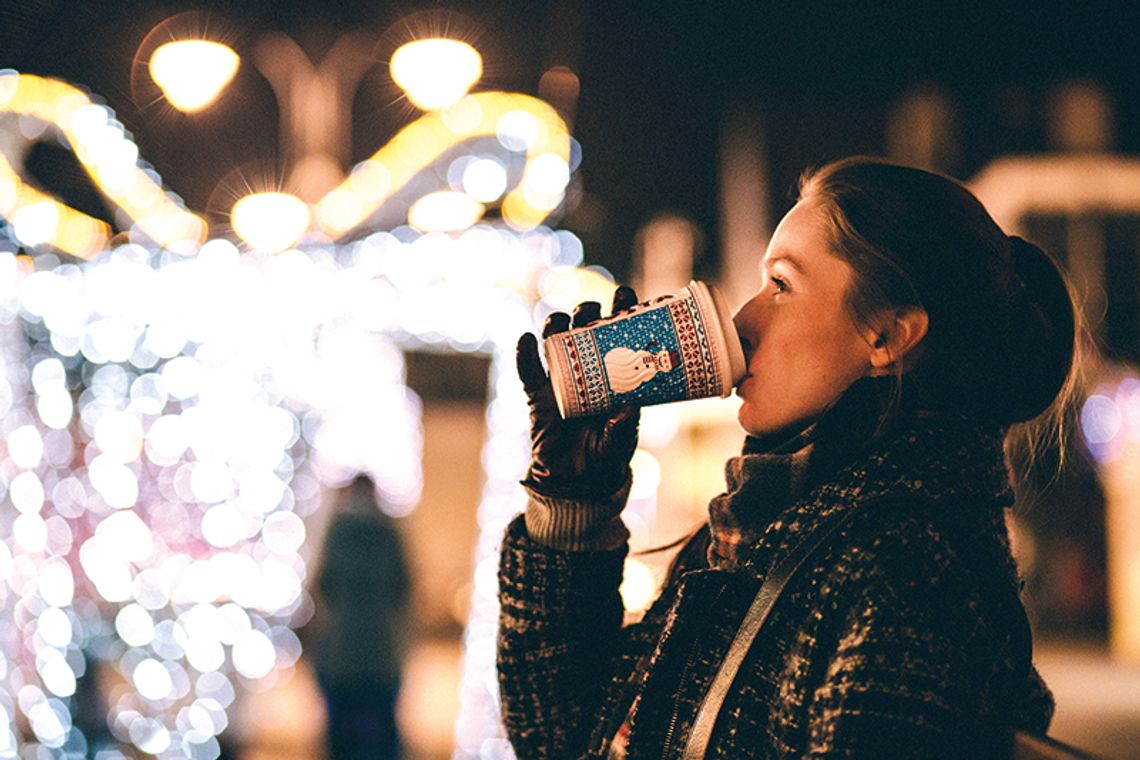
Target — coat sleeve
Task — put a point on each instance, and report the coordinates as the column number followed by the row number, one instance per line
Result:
column 560, row 637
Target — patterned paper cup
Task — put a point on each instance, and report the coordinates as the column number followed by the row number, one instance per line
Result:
column 676, row 347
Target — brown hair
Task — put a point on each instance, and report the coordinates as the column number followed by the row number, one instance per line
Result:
column 1002, row 342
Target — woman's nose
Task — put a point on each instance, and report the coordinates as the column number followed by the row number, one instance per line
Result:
column 747, row 319
column 747, row 322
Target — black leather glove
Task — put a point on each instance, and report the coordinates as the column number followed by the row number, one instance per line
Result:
column 583, row 457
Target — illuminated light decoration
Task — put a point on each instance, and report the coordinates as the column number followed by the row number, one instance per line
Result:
column 565, row 287
column 638, row 586
column 520, row 122
column 205, row 447
column 1102, row 423
column 484, row 179
column 109, row 157
column 517, row 130
column 463, row 117
column 1110, row 425
column 72, row 231
column 532, row 126
column 542, row 186
column 196, row 518
column 545, row 180
column 445, row 211
column 370, row 180
column 436, row 73
column 185, row 534
column 1110, row 418
column 270, row 221
column 192, row 73
column 646, row 475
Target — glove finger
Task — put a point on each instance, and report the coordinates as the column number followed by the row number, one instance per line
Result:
column 587, row 312
column 539, row 392
column 624, row 298
column 527, row 362
column 556, row 322
column 621, row 429
column 617, row 440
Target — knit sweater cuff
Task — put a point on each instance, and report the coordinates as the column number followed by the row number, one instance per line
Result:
column 577, row 525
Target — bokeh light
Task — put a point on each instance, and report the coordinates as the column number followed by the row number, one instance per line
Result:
column 171, row 419
column 646, row 475
column 435, row 73
column 638, row 586
column 109, row 156
column 270, row 221
column 1110, row 418
column 192, row 73
column 444, row 211
column 520, row 127
column 195, row 420
column 484, row 179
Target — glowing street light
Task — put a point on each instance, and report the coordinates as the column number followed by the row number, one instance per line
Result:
column 192, row 73
column 270, row 222
column 434, row 73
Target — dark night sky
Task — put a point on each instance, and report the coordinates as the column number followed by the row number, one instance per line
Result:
column 655, row 81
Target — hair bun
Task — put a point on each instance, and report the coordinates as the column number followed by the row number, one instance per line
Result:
column 1042, row 354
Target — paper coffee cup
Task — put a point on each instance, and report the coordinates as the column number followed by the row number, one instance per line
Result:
column 676, row 347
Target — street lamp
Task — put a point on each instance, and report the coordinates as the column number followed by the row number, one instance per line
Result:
column 192, row 73
column 270, row 222
column 314, row 100
column 196, row 61
column 435, row 73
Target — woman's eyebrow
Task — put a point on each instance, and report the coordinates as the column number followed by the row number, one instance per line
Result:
column 784, row 258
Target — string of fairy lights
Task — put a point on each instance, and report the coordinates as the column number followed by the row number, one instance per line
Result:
column 173, row 406
column 169, row 423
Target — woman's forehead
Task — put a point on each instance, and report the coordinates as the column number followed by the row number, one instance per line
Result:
column 805, row 225
column 802, row 243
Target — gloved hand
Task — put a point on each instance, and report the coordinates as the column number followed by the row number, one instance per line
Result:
column 583, row 457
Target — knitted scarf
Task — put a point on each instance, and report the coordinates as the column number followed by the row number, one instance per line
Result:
column 781, row 468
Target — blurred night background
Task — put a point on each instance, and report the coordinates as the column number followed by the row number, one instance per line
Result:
column 661, row 141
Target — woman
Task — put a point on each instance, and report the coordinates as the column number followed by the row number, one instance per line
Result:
column 896, row 335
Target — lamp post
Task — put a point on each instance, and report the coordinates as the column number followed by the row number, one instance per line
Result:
column 315, row 104
column 314, row 101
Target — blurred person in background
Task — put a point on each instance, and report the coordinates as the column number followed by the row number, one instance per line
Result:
column 897, row 340
column 356, row 638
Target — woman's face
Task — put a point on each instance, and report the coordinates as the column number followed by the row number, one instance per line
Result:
column 801, row 345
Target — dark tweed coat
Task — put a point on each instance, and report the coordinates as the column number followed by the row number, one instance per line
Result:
column 891, row 643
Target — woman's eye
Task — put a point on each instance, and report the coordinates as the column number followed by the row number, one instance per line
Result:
column 780, row 284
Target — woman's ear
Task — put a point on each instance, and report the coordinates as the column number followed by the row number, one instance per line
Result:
column 899, row 334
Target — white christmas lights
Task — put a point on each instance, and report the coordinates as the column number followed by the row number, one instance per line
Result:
column 170, row 414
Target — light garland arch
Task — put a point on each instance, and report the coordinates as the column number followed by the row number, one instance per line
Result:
column 172, row 407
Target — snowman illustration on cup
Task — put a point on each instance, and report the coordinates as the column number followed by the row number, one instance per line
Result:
column 628, row 368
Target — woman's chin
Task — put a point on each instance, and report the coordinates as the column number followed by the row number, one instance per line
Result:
column 747, row 420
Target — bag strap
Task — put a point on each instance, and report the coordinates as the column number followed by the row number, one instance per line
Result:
column 1024, row 745
column 754, row 618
